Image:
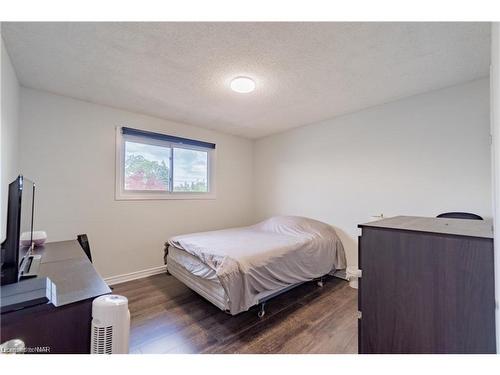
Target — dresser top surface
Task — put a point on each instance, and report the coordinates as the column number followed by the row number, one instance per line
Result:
column 458, row 227
column 74, row 276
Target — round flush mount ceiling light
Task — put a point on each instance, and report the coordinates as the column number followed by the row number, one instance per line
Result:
column 243, row 85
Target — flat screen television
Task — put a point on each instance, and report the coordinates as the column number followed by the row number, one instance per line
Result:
column 20, row 213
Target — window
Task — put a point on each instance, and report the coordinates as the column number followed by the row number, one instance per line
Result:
column 147, row 167
column 191, row 170
column 158, row 166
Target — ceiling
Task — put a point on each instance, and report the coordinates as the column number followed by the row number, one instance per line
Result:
column 305, row 72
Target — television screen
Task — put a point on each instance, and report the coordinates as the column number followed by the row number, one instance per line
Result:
column 19, row 228
column 26, row 221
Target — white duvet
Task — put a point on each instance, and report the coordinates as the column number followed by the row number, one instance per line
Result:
column 268, row 256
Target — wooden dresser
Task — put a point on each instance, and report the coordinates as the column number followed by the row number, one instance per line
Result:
column 65, row 326
column 427, row 286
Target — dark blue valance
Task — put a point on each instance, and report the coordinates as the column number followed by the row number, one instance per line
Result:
column 167, row 138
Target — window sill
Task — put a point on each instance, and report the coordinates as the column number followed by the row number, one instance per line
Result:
column 164, row 196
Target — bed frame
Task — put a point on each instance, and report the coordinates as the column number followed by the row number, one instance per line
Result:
column 341, row 274
column 262, row 302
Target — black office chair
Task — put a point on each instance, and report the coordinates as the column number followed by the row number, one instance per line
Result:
column 459, row 215
column 84, row 243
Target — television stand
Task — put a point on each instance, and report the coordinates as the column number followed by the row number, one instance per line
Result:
column 64, row 325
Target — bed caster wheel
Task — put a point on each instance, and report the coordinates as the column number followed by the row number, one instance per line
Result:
column 320, row 283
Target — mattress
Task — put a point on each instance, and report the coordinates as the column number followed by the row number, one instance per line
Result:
column 202, row 279
column 210, row 289
column 192, row 264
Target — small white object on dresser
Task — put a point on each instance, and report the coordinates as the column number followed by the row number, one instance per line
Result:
column 39, row 237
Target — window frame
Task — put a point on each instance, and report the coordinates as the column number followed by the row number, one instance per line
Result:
column 122, row 194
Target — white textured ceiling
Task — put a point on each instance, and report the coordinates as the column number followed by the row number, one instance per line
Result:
column 305, row 72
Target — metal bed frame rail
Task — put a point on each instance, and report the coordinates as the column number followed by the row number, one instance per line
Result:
column 340, row 274
column 262, row 302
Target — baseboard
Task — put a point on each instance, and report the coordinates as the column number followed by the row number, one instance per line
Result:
column 112, row 280
column 347, row 275
column 341, row 274
column 353, row 274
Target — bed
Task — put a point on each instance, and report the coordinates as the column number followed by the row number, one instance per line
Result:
column 238, row 268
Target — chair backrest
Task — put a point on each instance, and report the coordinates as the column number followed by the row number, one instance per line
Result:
column 84, row 243
column 460, row 215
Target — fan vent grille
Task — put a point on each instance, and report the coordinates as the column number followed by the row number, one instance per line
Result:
column 103, row 340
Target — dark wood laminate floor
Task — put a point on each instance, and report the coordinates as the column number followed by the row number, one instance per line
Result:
column 167, row 317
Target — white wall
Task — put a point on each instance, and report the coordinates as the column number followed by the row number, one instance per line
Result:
column 8, row 133
column 68, row 149
column 418, row 156
column 495, row 156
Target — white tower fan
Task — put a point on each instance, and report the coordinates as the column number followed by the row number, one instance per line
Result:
column 110, row 325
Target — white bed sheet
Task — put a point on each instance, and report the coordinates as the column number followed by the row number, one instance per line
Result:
column 187, row 268
column 210, row 289
column 192, row 264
